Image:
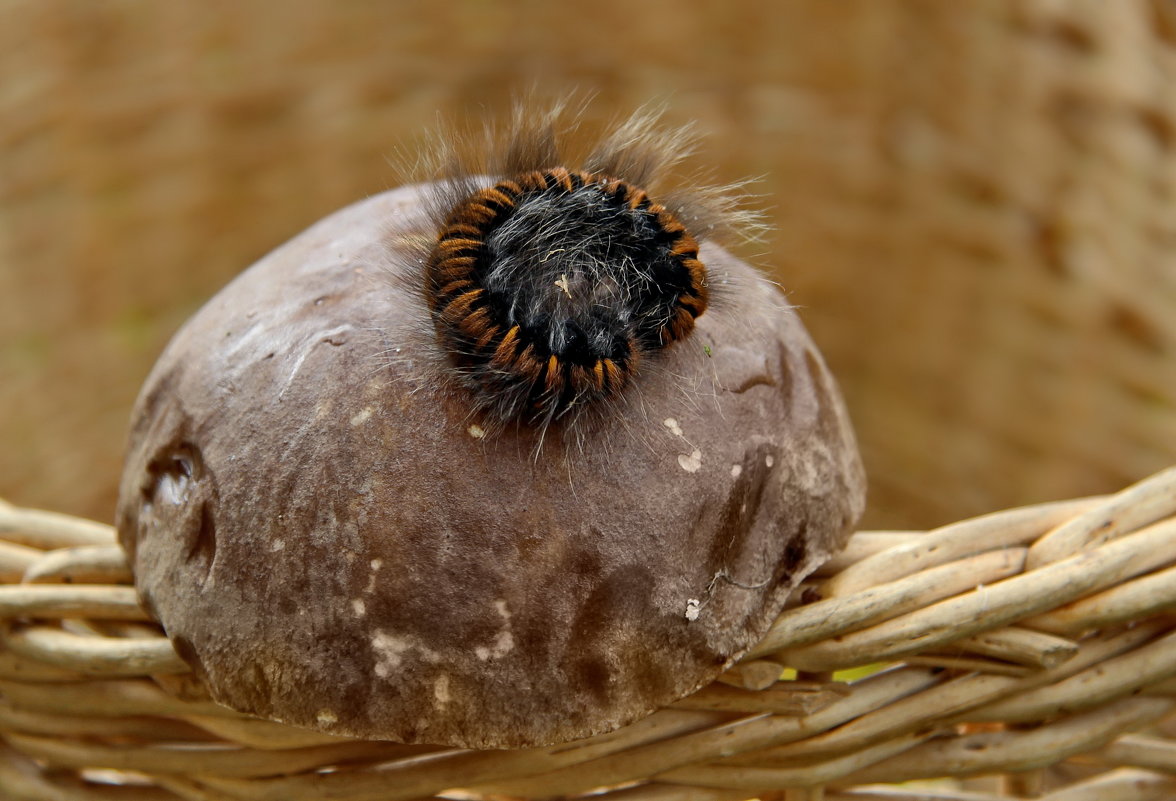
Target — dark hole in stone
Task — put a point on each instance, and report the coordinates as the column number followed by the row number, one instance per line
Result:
column 173, row 474
column 794, row 552
column 203, row 542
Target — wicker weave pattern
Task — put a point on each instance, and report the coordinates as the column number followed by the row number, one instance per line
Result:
column 1037, row 642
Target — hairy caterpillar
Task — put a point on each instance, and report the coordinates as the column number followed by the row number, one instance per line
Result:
column 550, row 287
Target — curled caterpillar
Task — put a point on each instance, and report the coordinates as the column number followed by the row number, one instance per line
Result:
column 549, row 287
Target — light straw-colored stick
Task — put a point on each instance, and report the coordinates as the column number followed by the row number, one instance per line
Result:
column 15, row 560
column 187, row 789
column 663, row 791
column 861, row 545
column 143, row 728
column 98, row 602
column 23, row 779
column 262, row 734
column 1150, row 500
column 47, row 530
column 756, row 674
column 96, row 656
column 107, row 698
column 783, row 698
column 881, row 793
column 1007, row 529
column 1101, row 683
column 997, row 605
column 823, row 619
column 1020, row 645
column 1134, row 600
column 1119, row 785
column 965, row 663
column 750, row 778
column 1006, row 751
column 196, row 759
column 17, row 668
column 1141, row 752
column 83, row 564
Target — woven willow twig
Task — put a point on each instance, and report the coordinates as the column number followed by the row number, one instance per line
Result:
column 1035, row 643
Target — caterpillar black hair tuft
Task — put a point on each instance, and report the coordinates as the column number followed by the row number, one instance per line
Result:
column 550, row 287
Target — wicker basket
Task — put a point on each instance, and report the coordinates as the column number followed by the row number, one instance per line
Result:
column 1026, row 653
column 974, row 206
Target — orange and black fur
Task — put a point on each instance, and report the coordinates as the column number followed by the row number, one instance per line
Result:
column 549, row 287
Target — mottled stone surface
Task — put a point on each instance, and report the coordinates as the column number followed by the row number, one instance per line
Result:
column 330, row 540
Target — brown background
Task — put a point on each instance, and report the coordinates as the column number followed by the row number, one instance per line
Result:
column 972, row 202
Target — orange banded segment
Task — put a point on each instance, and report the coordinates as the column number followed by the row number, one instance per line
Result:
column 494, row 195
column 598, row 375
column 510, row 187
column 530, row 367
column 453, row 287
column 562, row 178
column 691, row 304
column 487, row 336
column 504, row 353
column 455, row 228
column 612, row 373
column 476, row 323
column 685, row 247
column 460, row 306
column 554, row 376
column 681, row 324
column 456, row 265
column 479, row 213
column 456, row 244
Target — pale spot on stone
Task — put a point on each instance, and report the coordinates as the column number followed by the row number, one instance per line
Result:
column 277, row 545
column 503, row 641
column 769, row 460
column 476, row 431
column 690, row 462
column 371, row 584
column 361, row 416
column 359, row 606
column 323, row 407
column 736, row 470
column 441, row 690
column 503, row 644
column 390, row 651
column 672, row 424
column 326, row 717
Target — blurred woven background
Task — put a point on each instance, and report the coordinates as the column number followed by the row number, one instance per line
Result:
column 973, row 202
